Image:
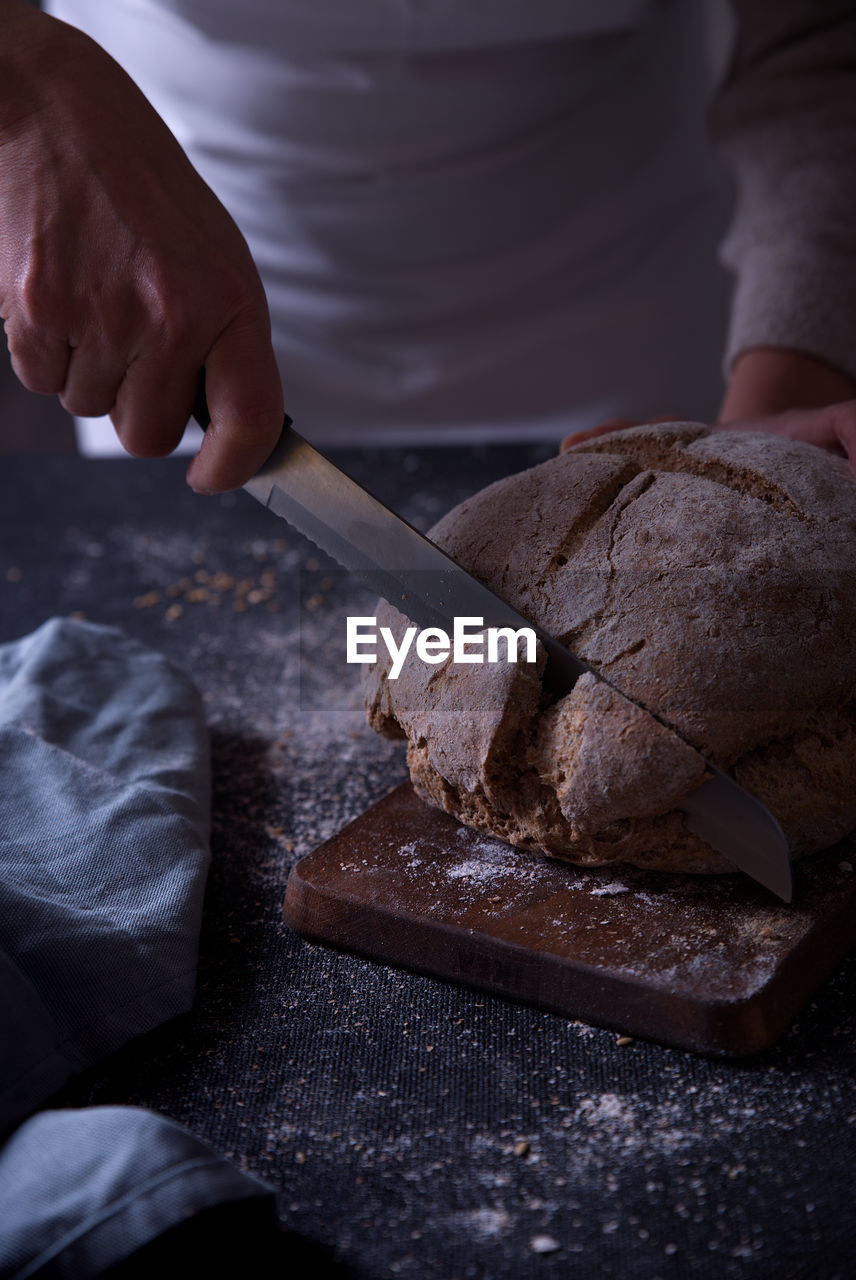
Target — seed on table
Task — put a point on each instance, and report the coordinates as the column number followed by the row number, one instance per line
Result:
column 147, row 601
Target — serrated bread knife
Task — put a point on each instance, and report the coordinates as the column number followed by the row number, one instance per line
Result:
column 392, row 558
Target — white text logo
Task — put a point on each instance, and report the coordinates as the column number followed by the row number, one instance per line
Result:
column 470, row 642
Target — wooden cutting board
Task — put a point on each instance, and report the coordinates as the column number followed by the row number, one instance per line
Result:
column 710, row 963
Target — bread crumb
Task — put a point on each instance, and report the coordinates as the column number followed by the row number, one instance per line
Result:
column 544, row 1244
column 521, row 1148
column 174, row 611
column 147, row 601
column 623, row 1040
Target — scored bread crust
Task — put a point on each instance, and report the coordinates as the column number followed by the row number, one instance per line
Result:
column 709, row 577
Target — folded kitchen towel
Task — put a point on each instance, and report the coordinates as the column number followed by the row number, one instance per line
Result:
column 81, row 1191
column 104, row 812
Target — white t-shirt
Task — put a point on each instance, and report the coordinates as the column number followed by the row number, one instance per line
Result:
column 473, row 218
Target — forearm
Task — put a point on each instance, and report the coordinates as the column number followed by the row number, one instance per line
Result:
column 786, row 122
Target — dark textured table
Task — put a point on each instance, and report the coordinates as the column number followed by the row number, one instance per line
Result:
column 416, row 1128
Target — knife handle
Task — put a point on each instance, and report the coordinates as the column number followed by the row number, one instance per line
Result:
column 200, row 406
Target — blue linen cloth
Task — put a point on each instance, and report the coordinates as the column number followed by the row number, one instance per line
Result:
column 82, row 1190
column 104, row 816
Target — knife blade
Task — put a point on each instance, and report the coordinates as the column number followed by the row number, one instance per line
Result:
column 300, row 485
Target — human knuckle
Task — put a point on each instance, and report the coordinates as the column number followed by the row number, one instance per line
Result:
column 36, row 377
column 135, row 439
column 170, row 322
column 41, row 296
column 145, row 437
column 238, row 296
column 40, row 310
column 87, row 402
column 183, row 302
column 19, row 340
column 227, row 434
column 31, row 363
column 163, row 299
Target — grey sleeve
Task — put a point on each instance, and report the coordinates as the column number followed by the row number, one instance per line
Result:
column 785, row 119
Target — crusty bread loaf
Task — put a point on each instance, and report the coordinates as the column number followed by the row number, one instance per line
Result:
column 709, row 576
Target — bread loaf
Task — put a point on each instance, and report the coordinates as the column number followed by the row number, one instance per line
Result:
column 709, row 577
